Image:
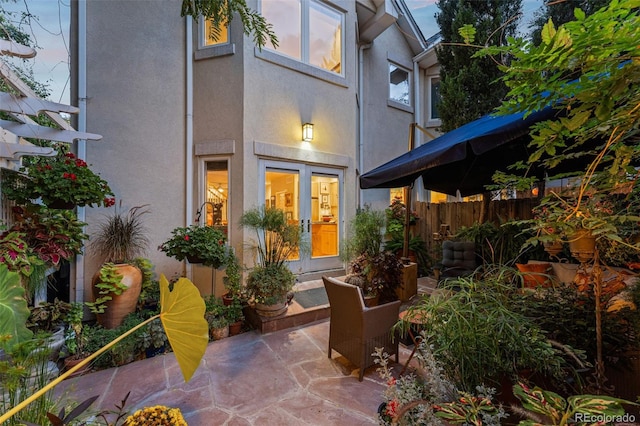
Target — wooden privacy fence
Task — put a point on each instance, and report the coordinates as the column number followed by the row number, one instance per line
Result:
column 457, row 215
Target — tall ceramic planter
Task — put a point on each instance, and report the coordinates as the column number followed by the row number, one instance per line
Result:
column 582, row 245
column 120, row 305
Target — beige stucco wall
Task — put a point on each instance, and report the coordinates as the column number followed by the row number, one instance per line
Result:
column 386, row 128
column 136, row 100
column 247, row 105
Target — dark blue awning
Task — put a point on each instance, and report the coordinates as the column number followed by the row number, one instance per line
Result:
column 463, row 159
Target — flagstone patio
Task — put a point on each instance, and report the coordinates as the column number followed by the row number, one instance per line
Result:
column 280, row 378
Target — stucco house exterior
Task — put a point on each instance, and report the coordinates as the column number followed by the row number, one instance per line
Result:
column 203, row 129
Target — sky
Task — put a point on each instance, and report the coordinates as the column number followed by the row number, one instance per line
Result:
column 50, row 30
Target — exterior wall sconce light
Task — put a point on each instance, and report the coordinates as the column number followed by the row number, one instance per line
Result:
column 307, row 132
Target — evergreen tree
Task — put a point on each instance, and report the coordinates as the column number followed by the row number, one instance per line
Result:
column 470, row 88
column 560, row 12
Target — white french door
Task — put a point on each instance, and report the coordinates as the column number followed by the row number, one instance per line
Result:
column 311, row 197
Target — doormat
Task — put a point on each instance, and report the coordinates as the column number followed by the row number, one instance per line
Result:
column 312, row 297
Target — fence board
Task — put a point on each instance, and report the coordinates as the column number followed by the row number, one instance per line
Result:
column 457, row 215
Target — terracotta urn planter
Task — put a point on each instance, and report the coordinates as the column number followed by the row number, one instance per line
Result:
column 120, row 305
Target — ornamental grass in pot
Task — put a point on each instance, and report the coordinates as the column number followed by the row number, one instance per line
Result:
column 120, row 240
column 378, row 273
column 276, row 241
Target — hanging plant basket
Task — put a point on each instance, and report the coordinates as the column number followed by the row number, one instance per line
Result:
column 61, row 205
column 194, row 259
column 582, row 245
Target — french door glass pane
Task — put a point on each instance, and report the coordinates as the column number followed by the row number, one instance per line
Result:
column 282, row 191
column 325, row 210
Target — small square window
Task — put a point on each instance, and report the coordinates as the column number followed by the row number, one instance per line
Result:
column 213, row 37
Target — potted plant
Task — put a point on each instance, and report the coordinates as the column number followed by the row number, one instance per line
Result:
column 62, row 181
column 276, row 240
column 232, row 281
column 217, row 317
column 235, row 317
column 378, row 273
column 75, row 338
column 50, row 318
column 198, row 244
column 120, row 239
column 154, row 339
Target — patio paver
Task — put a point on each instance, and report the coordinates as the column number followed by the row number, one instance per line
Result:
column 282, row 378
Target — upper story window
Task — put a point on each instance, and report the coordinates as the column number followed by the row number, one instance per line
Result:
column 399, row 86
column 308, row 31
column 210, row 37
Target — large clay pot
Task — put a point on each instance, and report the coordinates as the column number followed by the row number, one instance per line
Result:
column 120, row 305
column 582, row 245
column 272, row 310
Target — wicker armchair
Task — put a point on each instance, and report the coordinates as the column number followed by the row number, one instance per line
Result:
column 355, row 330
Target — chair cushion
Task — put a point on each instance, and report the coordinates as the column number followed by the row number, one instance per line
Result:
column 459, row 254
column 535, row 274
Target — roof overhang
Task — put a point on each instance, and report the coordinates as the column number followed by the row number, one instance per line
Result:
column 374, row 19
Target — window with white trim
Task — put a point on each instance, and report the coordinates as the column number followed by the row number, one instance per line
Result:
column 434, row 99
column 308, row 31
column 399, row 84
column 210, row 37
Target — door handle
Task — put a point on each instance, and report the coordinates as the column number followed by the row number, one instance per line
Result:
column 308, row 225
column 301, row 225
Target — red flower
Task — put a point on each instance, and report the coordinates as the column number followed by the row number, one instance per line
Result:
column 109, row 201
column 72, row 176
column 186, row 238
column 220, row 242
column 392, row 407
column 391, row 381
column 70, row 155
column 81, row 163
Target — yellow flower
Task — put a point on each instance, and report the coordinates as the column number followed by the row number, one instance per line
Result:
column 158, row 415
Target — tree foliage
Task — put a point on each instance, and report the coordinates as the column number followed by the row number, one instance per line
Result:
column 560, row 12
column 589, row 70
column 471, row 88
column 221, row 13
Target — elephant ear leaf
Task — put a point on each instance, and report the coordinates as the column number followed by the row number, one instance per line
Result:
column 14, row 311
column 182, row 316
